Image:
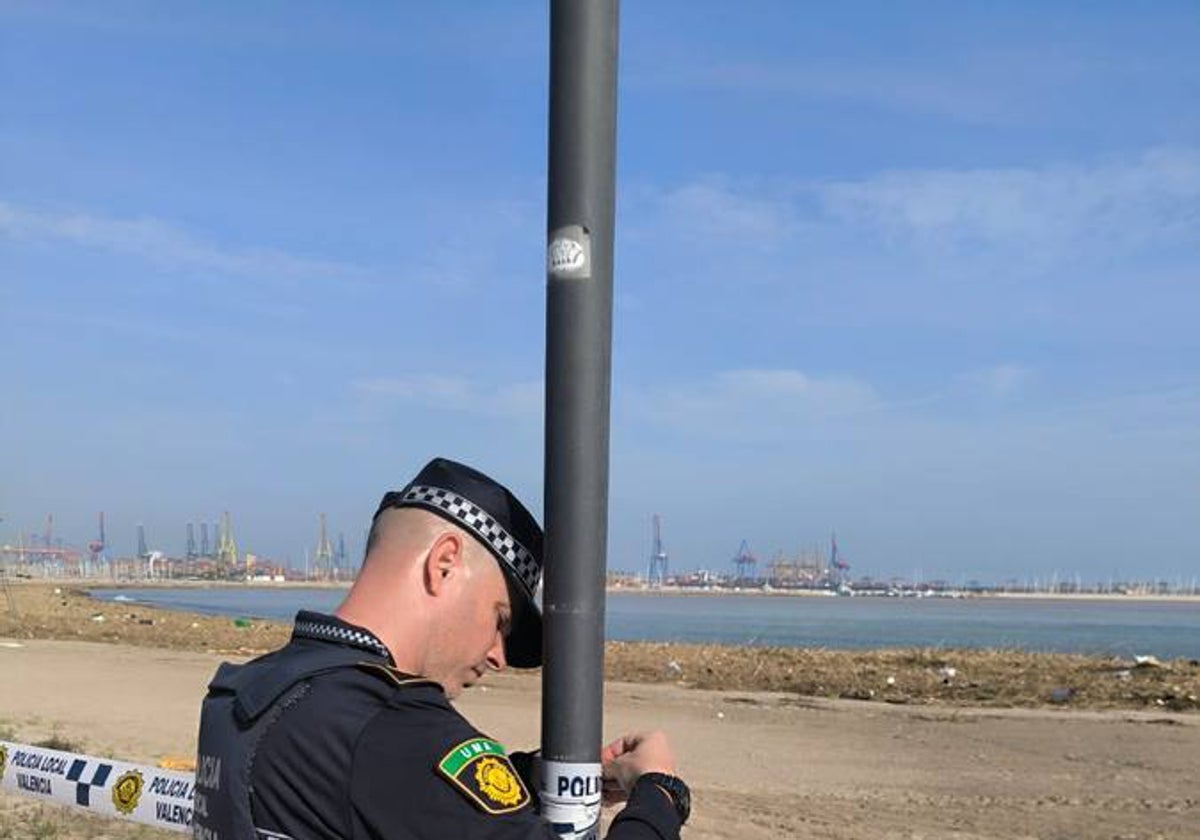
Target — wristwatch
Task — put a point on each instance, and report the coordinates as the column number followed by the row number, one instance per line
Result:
column 674, row 787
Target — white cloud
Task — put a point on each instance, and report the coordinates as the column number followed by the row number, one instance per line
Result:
column 1069, row 244
column 998, row 87
column 1151, row 198
column 1130, row 203
column 746, row 404
column 1003, row 380
column 755, row 403
column 518, row 400
column 159, row 242
column 717, row 208
column 466, row 239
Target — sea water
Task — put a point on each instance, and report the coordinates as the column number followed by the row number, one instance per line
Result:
column 1166, row 629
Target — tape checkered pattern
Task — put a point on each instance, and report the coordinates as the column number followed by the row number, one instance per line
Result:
column 83, row 788
column 480, row 523
column 335, row 633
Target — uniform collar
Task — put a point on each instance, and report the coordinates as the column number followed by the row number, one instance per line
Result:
column 329, row 628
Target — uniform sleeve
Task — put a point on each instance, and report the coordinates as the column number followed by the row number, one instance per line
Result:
column 421, row 772
column 648, row 815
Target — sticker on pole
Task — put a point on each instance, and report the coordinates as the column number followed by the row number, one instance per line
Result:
column 571, row 799
column 570, row 254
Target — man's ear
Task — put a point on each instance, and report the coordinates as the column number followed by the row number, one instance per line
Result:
column 443, row 560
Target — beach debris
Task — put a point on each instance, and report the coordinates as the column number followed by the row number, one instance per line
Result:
column 177, row 762
column 1062, row 694
column 11, row 644
column 890, row 680
column 148, row 622
column 1176, row 700
column 720, row 716
column 673, row 669
column 195, row 624
column 1124, row 675
column 98, row 618
column 858, row 694
column 57, row 590
column 947, row 673
column 1146, row 662
column 241, row 622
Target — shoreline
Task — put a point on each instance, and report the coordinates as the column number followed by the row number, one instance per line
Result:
column 895, row 676
column 949, row 595
column 689, row 591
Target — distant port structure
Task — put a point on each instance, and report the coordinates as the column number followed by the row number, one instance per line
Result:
column 822, row 567
column 809, row 568
column 659, row 569
column 210, row 551
column 215, row 556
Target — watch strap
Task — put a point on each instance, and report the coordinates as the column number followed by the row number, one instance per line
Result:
column 675, row 788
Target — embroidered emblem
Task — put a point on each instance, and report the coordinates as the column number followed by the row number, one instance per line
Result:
column 480, row 769
column 127, row 791
column 497, row 782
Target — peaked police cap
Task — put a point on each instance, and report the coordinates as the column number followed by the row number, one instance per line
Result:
column 494, row 516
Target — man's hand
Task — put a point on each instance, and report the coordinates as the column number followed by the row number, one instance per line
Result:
column 629, row 757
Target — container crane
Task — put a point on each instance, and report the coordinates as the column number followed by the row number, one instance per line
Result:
column 97, row 546
column 745, row 562
column 658, row 556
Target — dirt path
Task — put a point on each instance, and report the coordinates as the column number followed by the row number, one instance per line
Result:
column 762, row 765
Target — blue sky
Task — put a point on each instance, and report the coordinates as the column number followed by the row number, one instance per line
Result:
column 924, row 273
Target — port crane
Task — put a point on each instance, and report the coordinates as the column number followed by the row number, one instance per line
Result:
column 836, row 561
column 745, row 562
column 658, row 556
column 96, row 548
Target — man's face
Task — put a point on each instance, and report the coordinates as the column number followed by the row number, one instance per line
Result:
column 470, row 641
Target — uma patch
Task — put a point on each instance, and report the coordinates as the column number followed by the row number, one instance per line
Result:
column 480, row 770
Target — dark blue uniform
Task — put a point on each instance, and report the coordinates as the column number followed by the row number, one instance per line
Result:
column 326, row 739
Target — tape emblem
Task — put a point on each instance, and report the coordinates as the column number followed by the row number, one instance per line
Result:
column 127, row 790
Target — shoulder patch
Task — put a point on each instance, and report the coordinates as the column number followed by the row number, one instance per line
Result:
column 482, row 772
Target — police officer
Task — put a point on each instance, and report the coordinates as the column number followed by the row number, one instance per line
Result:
column 348, row 732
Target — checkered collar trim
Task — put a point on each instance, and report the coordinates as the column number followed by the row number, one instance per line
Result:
column 325, row 628
column 479, row 522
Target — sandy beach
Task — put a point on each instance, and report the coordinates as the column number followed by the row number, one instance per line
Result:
column 762, row 763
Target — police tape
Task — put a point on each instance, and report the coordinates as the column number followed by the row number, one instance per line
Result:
column 149, row 795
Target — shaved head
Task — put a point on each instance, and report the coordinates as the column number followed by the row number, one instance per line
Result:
column 401, row 532
column 402, row 527
column 435, row 595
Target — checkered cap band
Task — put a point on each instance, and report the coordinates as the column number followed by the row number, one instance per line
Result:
column 481, row 524
column 337, row 633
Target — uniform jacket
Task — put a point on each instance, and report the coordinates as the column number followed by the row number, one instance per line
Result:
column 325, row 738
